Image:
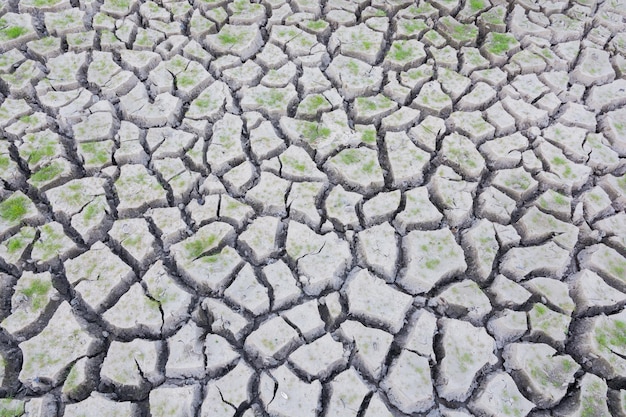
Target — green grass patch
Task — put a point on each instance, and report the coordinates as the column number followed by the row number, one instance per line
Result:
column 501, row 43
column 197, row 247
column 476, row 5
column 350, row 156
column 432, row 263
column 353, row 67
column 312, row 131
column 37, row 292
column 230, row 38
column 14, row 208
column 369, row 136
column 317, row 25
column 12, row 32
column 47, row 173
column 401, row 51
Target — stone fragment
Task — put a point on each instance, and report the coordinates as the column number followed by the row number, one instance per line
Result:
column 596, row 203
column 505, row 151
column 427, row 132
column 347, row 394
column 481, row 95
column 52, row 244
column 472, row 125
column 419, row 212
column 132, row 364
column 537, row 366
column 168, row 223
column 556, row 204
column 535, row 227
column 137, row 107
column 247, row 292
column 135, row 313
column 517, row 183
column 525, row 114
column 302, row 202
column 354, row 77
column 319, row 358
column 13, row 249
column 99, row 405
column 405, row 54
column 132, row 179
column 591, row 398
column 284, row 287
column 241, row 40
column 461, row 154
column 199, row 250
column 173, row 300
column 260, row 238
column 381, row 207
column 407, row 162
column 321, row 259
column 274, row 102
column 233, row 210
column 268, row 196
column 507, row 326
column 185, row 353
column 602, row 157
column 372, row 109
column 431, row 257
column 231, row 388
column 98, row 276
column 507, row 293
column 134, row 236
column 219, row 353
column 464, row 300
column 173, row 401
column 224, row 320
column 373, row 300
column 593, row 68
column 591, row 294
column 467, row 350
column 500, row 396
column 357, row 168
column 421, row 336
column 549, row 259
column 408, row 384
column 306, row 318
column 378, row 249
column 431, row 100
column 497, row 47
column 272, row 341
column 372, row 346
column 225, row 149
column 482, row 246
column 453, row 195
column 358, row 41
column 285, row 395
column 600, row 339
column 553, row 292
column 31, row 299
column 547, row 325
column 606, row 262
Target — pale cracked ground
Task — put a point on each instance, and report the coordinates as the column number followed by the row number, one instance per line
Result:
column 293, row 208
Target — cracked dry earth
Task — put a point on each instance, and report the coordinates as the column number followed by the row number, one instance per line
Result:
column 302, row 208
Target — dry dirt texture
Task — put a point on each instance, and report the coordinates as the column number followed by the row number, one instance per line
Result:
column 299, row 208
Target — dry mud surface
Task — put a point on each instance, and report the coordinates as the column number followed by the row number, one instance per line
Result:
column 303, row 208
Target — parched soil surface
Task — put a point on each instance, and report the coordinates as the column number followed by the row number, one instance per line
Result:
column 299, row 208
